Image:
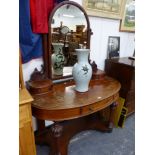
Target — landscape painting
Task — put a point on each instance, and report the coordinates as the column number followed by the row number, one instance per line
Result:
column 128, row 20
column 104, row 8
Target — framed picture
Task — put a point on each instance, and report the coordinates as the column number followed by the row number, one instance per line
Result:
column 113, row 47
column 104, row 8
column 127, row 24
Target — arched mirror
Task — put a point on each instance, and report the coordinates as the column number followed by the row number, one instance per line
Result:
column 69, row 29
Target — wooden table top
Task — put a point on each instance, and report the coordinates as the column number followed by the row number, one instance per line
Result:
column 64, row 95
column 64, row 99
column 124, row 60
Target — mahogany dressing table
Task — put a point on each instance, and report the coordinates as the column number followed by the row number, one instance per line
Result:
column 73, row 112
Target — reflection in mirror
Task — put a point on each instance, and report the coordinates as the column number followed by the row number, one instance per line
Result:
column 69, row 28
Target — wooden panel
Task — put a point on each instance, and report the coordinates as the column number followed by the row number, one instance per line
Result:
column 26, row 139
column 26, row 135
column 123, row 69
column 25, row 116
column 131, row 96
column 132, row 87
column 24, row 96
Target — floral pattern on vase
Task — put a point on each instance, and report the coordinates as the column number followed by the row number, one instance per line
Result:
column 82, row 71
column 58, row 59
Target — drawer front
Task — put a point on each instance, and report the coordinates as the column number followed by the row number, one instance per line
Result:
column 72, row 113
column 98, row 106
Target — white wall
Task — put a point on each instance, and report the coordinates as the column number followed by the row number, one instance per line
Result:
column 102, row 28
column 29, row 67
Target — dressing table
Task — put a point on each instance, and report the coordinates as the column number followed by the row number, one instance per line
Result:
column 71, row 111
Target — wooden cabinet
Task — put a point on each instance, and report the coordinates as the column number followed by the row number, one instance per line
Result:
column 26, row 135
column 123, row 69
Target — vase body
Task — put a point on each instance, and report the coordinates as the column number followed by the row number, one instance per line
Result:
column 58, row 59
column 82, row 71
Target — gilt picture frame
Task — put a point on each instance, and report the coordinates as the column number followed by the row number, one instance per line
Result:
column 127, row 24
column 104, row 8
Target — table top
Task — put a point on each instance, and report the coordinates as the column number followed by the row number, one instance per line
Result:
column 124, row 60
column 65, row 102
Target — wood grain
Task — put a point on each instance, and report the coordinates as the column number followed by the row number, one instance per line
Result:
column 26, row 135
column 24, row 96
column 123, row 69
column 65, row 103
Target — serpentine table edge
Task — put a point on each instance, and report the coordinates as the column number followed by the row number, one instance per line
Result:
column 64, row 103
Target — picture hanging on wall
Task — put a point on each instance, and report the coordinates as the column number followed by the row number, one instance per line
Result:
column 104, row 8
column 127, row 24
column 113, row 47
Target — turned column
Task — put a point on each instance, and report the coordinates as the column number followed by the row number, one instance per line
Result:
column 40, row 125
column 58, row 145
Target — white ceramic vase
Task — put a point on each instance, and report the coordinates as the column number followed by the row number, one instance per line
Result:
column 82, row 71
column 58, row 59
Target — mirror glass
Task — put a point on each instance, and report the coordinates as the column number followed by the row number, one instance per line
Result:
column 69, row 31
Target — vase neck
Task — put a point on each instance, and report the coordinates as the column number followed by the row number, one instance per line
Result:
column 57, row 48
column 82, row 55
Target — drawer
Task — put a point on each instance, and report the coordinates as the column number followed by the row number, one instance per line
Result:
column 98, row 106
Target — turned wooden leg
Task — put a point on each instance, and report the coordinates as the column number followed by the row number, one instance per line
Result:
column 111, row 117
column 39, row 136
column 40, row 125
column 58, row 145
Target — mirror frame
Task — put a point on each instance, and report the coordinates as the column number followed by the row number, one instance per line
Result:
column 48, row 61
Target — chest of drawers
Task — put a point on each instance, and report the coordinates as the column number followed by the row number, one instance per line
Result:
column 123, row 69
